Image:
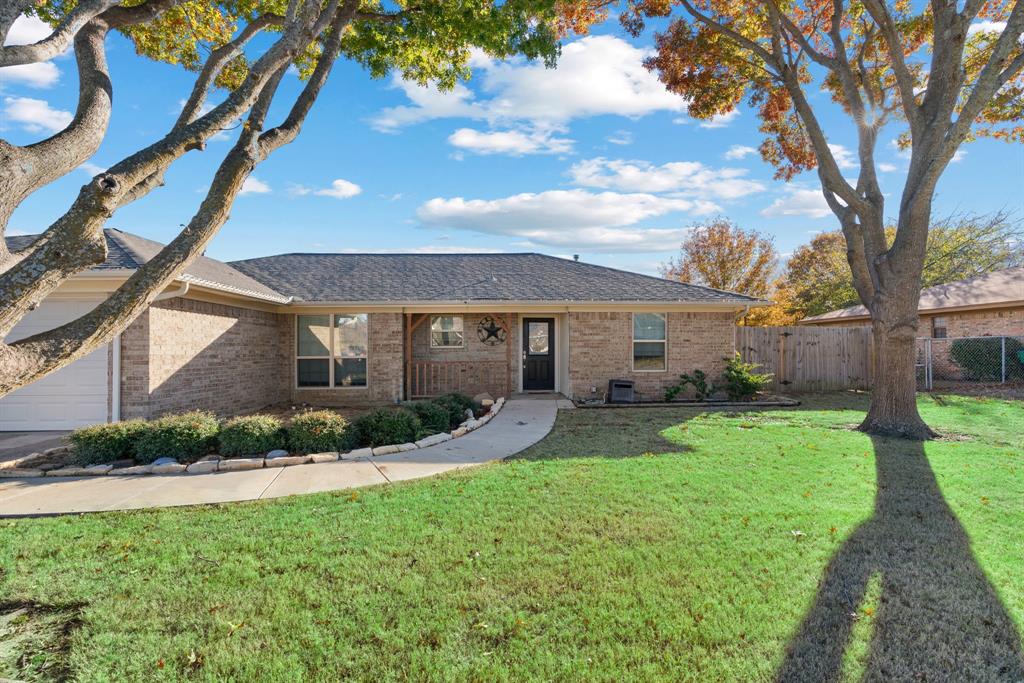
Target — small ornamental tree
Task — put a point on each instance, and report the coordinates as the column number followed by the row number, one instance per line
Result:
column 949, row 71
column 241, row 49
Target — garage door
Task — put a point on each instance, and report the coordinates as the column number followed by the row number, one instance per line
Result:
column 73, row 396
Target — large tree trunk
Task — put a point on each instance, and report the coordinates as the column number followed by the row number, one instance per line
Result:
column 893, row 410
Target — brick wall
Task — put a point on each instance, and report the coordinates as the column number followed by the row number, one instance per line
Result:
column 384, row 371
column 474, row 376
column 600, row 349
column 183, row 354
column 985, row 323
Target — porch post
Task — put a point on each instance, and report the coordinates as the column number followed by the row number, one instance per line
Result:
column 408, row 356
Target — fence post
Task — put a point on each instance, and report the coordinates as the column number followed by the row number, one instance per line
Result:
column 928, row 363
column 1002, row 358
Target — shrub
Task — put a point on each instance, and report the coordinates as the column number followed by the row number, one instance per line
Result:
column 250, row 435
column 318, row 431
column 456, row 404
column 434, row 417
column 187, row 436
column 981, row 359
column 741, row 382
column 387, row 426
column 698, row 379
column 106, row 442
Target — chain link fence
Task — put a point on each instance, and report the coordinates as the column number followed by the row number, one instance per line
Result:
column 958, row 363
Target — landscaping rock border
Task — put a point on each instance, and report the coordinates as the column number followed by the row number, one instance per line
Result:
column 215, row 463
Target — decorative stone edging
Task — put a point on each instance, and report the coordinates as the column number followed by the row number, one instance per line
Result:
column 276, row 458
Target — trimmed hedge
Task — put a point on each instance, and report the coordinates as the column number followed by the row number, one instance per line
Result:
column 251, row 435
column 319, row 431
column 105, row 442
column 982, row 359
column 187, row 436
column 434, row 417
column 386, row 426
column 456, row 404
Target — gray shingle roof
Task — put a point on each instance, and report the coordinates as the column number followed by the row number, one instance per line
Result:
column 128, row 251
column 467, row 277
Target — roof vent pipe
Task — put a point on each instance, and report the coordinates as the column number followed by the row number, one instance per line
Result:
column 575, row 257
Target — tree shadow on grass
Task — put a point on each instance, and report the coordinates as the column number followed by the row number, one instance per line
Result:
column 938, row 617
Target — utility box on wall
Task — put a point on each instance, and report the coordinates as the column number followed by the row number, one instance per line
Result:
column 620, row 391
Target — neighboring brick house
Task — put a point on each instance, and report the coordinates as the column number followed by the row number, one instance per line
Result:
column 370, row 329
column 989, row 305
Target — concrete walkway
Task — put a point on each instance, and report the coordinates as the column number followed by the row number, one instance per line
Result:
column 521, row 423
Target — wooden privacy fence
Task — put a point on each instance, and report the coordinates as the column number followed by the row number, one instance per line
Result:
column 810, row 358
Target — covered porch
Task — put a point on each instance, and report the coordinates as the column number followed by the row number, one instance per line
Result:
column 498, row 352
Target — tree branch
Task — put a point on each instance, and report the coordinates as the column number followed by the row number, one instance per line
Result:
column 59, row 40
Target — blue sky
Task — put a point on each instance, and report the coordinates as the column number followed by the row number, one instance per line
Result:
column 592, row 158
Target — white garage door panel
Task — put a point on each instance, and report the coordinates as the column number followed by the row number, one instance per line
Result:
column 74, row 396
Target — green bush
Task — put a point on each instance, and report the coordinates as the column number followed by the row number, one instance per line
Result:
column 741, row 382
column 250, row 435
column 699, row 380
column 387, row 426
column 982, row 359
column 187, row 436
column 319, row 431
column 434, row 417
column 106, row 442
column 456, row 404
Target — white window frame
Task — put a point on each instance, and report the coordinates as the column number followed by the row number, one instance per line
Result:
column 634, row 340
column 430, row 331
column 331, row 358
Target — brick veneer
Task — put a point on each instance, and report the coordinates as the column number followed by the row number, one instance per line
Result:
column 385, row 364
column 984, row 323
column 475, row 350
column 600, row 349
column 183, row 354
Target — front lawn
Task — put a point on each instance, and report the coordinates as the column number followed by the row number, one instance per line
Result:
column 637, row 544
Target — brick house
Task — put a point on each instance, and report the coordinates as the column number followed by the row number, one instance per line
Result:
column 989, row 305
column 370, row 329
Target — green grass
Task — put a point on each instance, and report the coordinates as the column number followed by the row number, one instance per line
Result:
column 630, row 545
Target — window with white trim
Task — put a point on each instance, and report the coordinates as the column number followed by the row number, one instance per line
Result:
column 331, row 350
column 649, row 341
column 446, row 332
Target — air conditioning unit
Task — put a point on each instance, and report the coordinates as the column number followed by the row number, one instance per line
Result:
column 620, row 391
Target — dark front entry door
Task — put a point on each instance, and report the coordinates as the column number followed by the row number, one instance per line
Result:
column 538, row 354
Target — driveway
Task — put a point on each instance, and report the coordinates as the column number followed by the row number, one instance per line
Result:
column 16, row 444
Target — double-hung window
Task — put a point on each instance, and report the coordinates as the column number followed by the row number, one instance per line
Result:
column 649, row 341
column 446, row 332
column 331, row 350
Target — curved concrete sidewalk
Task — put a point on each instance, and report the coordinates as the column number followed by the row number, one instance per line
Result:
column 521, row 423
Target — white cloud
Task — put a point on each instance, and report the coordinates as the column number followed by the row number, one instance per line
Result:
column 40, row 75
column 91, row 169
column 340, row 189
column 740, row 152
column 575, row 219
column 254, row 185
column 391, row 197
column 36, row 116
column 986, row 27
column 720, row 120
column 799, row 201
column 958, row 156
column 620, row 137
column 885, row 167
column 844, row 157
column 596, row 75
column 687, row 177
column 511, row 142
column 27, row 30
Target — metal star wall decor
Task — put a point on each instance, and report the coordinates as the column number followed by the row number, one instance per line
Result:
column 490, row 332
